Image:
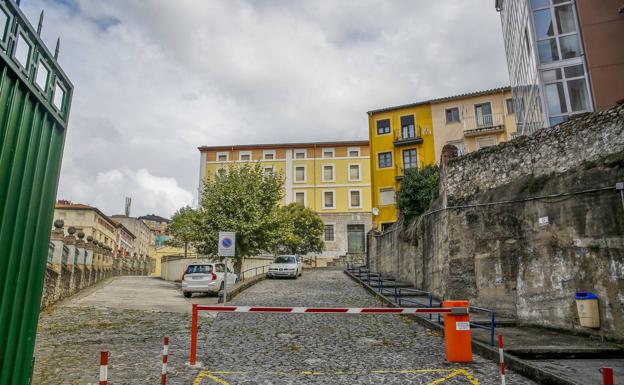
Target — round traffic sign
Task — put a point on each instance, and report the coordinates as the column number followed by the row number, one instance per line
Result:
column 226, row 242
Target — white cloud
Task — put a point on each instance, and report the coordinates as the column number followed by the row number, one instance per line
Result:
column 156, row 79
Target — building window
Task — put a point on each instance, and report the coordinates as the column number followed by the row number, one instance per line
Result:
column 410, row 158
column 556, row 31
column 300, row 198
column 268, row 171
column 300, row 154
column 328, row 153
column 328, row 173
column 354, row 172
column 244, row 156
column 383, row 126
column 354, row 152
column 384, row 159
column 329, row 233
column 300, row 174
column 487, row 141
column 268, row 154
column 452, row 115
column 565, row 92
column 328, row 200
column 483, row 115
column 222, row 156
column 386, row 196
column 408, row 129
column 510, row 106
column 355, row 200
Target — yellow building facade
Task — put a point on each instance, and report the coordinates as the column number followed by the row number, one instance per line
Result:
column 87, row 219
column 400, row 138
column 331, row 178
column 473, row 121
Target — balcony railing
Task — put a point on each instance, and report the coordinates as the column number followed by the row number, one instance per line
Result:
column 50, row 252
column 65, row 255
column 483, row 124
column 408, row 135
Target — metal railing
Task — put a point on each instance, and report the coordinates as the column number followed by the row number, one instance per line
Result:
column 241, row 275
column 492, row 324
column 400, row 300
column 483, row 121
column 65, row 255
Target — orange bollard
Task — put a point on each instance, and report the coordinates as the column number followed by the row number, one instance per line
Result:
column 457, row 334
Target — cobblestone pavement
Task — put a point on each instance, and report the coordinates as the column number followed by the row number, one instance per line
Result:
column 245, row 349
column 328, row 348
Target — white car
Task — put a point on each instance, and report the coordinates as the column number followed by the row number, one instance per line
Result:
column 285, row 266
column 206, row 277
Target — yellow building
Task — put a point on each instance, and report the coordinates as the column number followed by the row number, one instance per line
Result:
column 474, row 120
column 400, row 138
column 331, row 178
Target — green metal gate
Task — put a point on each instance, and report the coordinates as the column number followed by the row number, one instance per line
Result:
column 35, row 95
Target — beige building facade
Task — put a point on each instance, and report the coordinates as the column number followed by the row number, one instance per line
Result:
column 143, row 236
column 473, row 121
column 87, row 219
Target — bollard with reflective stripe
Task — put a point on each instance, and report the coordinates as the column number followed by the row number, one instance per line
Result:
column 104, row 368
column 607, row 376
column 501, row 359
column 165, row 359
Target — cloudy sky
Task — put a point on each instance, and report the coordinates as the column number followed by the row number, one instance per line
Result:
column 155, row 79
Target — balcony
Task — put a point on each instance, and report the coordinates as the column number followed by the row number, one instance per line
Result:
column 483, row 124
column 409, row 135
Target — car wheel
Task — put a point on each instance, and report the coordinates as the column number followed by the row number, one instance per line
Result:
column 187, row 294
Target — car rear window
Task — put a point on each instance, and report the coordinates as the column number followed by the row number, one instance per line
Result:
column 285, row 260
column 199, row 269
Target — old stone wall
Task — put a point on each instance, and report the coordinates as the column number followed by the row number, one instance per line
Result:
column 523, row 242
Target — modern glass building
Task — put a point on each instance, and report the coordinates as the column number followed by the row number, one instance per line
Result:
column 546, row 61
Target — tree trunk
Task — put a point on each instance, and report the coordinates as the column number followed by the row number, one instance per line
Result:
column 185, row 250
column 238, row 265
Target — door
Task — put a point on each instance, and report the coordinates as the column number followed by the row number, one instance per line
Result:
column 483, row 114
column 355, row 239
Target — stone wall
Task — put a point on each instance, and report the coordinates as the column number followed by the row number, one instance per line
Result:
column 483, row 239
column 74, row 264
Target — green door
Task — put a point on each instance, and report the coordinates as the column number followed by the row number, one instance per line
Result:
column 355, row 239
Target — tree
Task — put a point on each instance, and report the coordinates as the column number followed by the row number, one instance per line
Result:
column 419, row 188
column 184, row 228
column 304, row 230
column 244, row 200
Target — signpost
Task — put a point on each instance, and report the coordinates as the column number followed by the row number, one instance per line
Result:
column 227, row 248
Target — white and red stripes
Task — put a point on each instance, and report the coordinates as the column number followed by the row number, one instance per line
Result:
column 165, row 359
column 324, row 310
column 104, row 368
column 501, row 359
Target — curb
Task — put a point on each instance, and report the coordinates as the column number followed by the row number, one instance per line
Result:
column 242, row 286
column 520, row 366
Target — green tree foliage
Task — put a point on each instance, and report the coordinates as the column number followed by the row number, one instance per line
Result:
column 419, row 188
column 184, row 228
column 304, row 229
column 246, row 201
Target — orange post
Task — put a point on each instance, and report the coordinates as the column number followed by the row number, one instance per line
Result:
column 193, row 358
column 457, row 334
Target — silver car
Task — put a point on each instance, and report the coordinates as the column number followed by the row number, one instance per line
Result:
column 285, row 266
column 206, row 277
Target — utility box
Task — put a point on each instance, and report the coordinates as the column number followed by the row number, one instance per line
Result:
column 587, row 307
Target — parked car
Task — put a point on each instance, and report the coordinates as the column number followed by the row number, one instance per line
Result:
column 206, row 277
column 285, row 266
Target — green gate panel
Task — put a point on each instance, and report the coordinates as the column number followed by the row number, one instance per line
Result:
column 35, row 96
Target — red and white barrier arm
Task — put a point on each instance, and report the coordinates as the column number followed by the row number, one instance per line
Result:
column 501, row 359
column 104, row 368
column 165, row 359
column 329, row 310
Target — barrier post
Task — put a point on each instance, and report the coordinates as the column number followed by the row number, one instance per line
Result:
column 501, row 359
column 607, row 376
column 104, row 368
column 193, row 357
column 165, row 359
column 457, row 334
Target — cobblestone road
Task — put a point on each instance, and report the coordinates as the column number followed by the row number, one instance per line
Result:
column 246, row 349
column 328, row 348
